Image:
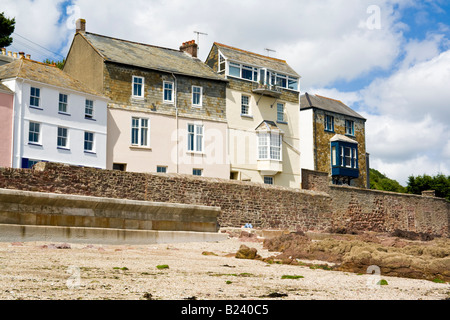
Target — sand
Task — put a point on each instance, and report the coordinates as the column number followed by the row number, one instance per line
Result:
column 201, row 271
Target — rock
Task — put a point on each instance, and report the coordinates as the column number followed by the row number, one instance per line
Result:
column 245, row 252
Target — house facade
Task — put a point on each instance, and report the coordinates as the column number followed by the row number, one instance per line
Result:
column 54, row 118
column 6, row 127
column 332, row 138
column 262, row 109
column 167, row 108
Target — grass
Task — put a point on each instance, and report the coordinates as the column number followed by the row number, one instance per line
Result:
column 123, row 268
column 162, row 266
column 382, row 282
column 437, row 280
column 291, row 277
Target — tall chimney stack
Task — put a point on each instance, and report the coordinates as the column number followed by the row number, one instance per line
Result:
column 190, row 47
column 81, row 25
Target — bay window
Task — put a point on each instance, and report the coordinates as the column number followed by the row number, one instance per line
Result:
column 269, row 146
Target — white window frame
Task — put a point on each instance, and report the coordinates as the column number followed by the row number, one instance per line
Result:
column 141, row 131
column 241, row 67
column 270, row 144
column 197, row 170
column 172, row 92
column 92, row 150
column 200, row 98
column 38, row 133
column 282, row 113
column 222, row 63
column 89, row 106
column 66, row 138
column 142, row 85
column 35, row 97
column 161, row 169
column 248, row 114
column 197, row 135
column 64, row 104
column 269, row 180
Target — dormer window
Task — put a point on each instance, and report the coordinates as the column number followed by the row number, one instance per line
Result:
column 221, row 62
column 243, row 71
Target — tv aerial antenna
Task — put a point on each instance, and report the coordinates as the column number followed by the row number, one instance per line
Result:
column 198, row 38
column 269, row 51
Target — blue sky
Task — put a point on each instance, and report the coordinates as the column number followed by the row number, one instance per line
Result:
column 395, row 73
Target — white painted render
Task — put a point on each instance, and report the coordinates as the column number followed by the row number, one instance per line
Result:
column 50, row 119
column 307, row 139
column 243, row 140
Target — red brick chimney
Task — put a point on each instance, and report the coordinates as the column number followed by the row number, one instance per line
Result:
column 190, row 47
column 80, row 25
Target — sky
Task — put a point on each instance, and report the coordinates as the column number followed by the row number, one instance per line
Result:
column 389, row 60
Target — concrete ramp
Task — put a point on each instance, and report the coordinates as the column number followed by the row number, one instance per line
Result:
column 35, row 216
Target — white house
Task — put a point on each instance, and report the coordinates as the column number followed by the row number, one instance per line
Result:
column 56, row 118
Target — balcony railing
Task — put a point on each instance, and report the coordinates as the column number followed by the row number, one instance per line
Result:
column 267, row 90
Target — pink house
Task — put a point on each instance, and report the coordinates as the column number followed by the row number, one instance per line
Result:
column 6, row 125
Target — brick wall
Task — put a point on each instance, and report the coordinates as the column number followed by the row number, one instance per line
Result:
column 270, row 207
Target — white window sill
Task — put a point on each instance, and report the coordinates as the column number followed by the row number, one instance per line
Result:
column 141, row 148
column 196, row 153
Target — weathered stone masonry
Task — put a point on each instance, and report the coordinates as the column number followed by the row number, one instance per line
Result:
column 244, row 202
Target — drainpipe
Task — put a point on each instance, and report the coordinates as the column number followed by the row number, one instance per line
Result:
column 176, row 117
column 18, row 141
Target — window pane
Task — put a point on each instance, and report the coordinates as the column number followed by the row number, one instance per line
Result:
column 268, row 180
column 280, row 112
column 245, row 105
column 234, row 70
column 168, row 89
column 293, row 84
column 88, row 141
column 333, row 156
column 247, row 73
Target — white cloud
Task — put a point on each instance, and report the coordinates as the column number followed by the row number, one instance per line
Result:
column 37, row 21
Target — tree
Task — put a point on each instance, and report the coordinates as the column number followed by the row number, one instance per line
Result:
column 379, row 181
column 7, row 27
column 440, row 183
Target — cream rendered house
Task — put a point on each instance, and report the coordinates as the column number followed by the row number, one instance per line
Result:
column 167, row 108
column 262, row 109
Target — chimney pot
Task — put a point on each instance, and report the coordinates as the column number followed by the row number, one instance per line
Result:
column 22, row 54
column 4, row 51
column 81, row 25
column 28, row 56
column 15, row 54
column 190, row 47
column 9, row 53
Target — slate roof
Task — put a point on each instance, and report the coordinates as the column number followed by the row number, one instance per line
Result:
column 308, row 101
column 255, row 59
column 268, row 125
column 340, row 137
column 149, row 57
column 5, row 89
column 44, row 73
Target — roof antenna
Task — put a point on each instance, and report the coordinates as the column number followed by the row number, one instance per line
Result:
column 269, row 51
column 198, row 38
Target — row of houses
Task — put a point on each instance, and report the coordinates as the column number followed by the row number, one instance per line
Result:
column 136, row 107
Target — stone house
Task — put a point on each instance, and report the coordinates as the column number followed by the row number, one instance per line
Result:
column 332, row 138
column 262, row 110
column 167, row 108
column 54, row 117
